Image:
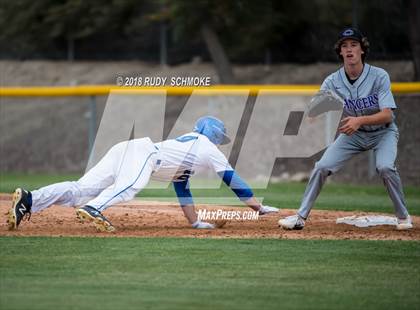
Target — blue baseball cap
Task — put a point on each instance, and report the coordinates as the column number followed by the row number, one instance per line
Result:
column 213, row 128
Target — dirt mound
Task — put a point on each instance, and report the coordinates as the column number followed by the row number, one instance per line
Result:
column 146, row 219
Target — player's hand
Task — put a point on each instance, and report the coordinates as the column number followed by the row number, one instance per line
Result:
column 349, row 125
column 202, row 225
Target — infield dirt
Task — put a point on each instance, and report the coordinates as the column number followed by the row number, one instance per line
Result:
column 156, row 219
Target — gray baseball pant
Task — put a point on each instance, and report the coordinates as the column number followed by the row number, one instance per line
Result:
column 384, row 144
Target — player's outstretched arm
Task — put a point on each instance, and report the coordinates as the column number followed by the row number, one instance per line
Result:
column 244, row 192
column 187, row 204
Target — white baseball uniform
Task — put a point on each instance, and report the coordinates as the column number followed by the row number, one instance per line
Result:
column 127, row 168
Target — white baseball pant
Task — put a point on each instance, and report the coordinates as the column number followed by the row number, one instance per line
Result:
column 123, row 171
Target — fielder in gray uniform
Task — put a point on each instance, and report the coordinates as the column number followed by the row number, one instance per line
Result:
column 368, row 123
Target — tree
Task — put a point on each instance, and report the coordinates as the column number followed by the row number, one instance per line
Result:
column 43, row 26
column 218, row 54
column 204, row 18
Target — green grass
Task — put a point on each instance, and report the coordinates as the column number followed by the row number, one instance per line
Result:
column 170, row 273
column 138, row 273
column 345, row 197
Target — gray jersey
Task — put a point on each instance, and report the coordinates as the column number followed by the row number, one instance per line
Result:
column 368, row 95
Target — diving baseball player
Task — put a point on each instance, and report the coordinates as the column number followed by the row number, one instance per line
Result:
column 127, row 168
column 368, row 123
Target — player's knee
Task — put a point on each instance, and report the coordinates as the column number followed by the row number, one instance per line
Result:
column 385, row 170
column 127, row 195
column 86, row 189
column 69, row 193
column 70, row 188
column 323, row 168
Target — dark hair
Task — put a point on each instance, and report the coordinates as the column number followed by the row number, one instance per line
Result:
column 364, row 44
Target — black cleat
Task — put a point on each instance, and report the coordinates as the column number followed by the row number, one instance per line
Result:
column 21, row 206
column 90, row 214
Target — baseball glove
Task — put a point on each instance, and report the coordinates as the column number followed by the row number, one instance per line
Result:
column 324, row 101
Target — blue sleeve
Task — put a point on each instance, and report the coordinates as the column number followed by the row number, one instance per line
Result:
column 183, row 192
column 238, row 186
